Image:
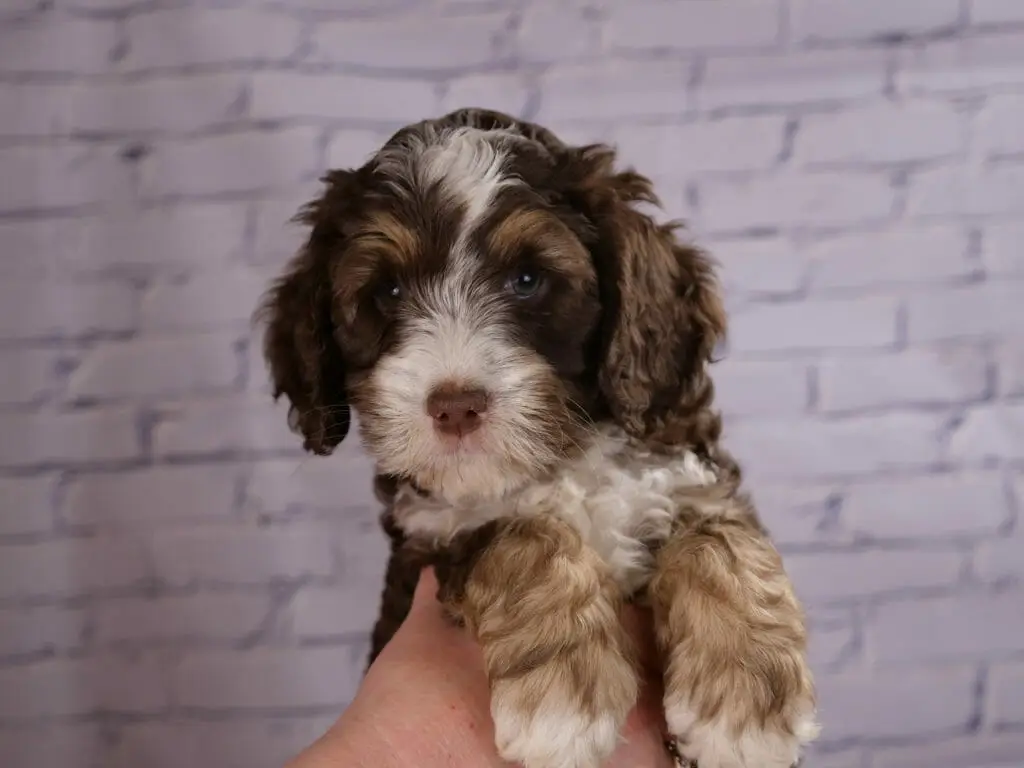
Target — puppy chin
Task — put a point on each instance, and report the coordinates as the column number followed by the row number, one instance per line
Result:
column 472, row 467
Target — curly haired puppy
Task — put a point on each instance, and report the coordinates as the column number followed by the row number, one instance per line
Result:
column 527, row 354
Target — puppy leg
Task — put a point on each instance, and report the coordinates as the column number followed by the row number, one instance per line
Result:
column 738, row 691
column 546, row 615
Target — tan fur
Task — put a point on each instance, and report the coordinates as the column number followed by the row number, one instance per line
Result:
column 733, row 637
column 561, row 666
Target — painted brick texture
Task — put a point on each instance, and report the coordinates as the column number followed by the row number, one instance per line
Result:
column 180, row 586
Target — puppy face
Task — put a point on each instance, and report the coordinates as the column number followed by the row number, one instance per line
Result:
column 476, row 292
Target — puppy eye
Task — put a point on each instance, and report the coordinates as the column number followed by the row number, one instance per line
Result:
column 525, row 283
column 388, row 292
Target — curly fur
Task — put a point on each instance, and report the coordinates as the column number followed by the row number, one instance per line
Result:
column 597, row 475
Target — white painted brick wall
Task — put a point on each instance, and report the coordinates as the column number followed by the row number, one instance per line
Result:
column 180, row 586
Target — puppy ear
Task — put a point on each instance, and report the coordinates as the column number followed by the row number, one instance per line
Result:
column 305, row 362
column 663, row 309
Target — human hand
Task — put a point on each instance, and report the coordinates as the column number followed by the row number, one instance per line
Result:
column 426, row 702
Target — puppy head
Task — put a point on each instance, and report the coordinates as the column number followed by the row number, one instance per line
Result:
column 481, row 293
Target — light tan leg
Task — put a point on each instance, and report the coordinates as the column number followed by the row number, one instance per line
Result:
column 738, row 691
column 546, row 614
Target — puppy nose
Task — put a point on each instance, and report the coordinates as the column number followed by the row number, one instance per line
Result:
column 456, row 410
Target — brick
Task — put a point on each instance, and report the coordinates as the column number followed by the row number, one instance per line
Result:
column 612, row 89
column 730, row 144
column 287, row 95
column 791, row 78
column 807, row 448
column 830, row 646
column 898, row 256
column 157, row 367
column 52, row 44
column 33, row 247
column 814, row 200
column 150, row 497
column 963, row 64
column 277, row 487
column 460, row 41
column 914, row 377
column 348, row 148
column 319, row 613
column 236, row 555
column 749, row 388
column 985, row 749
column 224, row 425
column 277, row 238
column 265, row 677
column 70, row 568
column 798, row 515
column 833, row 576
column 839, row 760
column 45, row 629
column 553, row 33
column 219, row 617
column 44, row 309
column 225, row 743
column 75, row 436
column 1002, row 252
column 962, row 628
column 187, row 36
column 927, row 507
column 996, row 12
column 986, row 309
column 28, row 375
column 55, row 744
column 28, row 503
column 167, row 238
column 765, row 265
column 35, row 109
column 916, row 703
column 696, row 25
column 81, row 687
column 997, row 127
column 503, row 92
column 154, row 104
column 1011, row 368
column 814, row 20
column 244, row 162
column 1007, row 682
column 945, row 192
column 817, row 324
column 883, row 134
column 65, row 176
column 990, row 432
column 220, row 298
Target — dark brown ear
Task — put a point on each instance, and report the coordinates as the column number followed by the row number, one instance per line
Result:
column 305, row 362
column 663, row 310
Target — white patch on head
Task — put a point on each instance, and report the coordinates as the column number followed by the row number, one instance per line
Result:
column 469, row 166
column 715, row 743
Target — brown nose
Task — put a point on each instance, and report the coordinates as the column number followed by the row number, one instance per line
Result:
column 456, row 411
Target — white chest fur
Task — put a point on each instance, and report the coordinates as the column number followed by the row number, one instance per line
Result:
column 618, row 495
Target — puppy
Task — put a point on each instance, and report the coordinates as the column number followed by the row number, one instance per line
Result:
column 527, row 354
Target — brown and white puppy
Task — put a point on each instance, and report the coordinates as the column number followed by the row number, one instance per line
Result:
column 527, row 355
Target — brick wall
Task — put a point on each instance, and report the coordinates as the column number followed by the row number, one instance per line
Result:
column 180, row 587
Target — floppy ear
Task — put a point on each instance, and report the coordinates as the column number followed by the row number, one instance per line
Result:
column 663, row 310
column 305, row 362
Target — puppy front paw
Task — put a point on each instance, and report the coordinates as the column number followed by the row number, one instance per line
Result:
column 729, row 740
column 566, row 712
